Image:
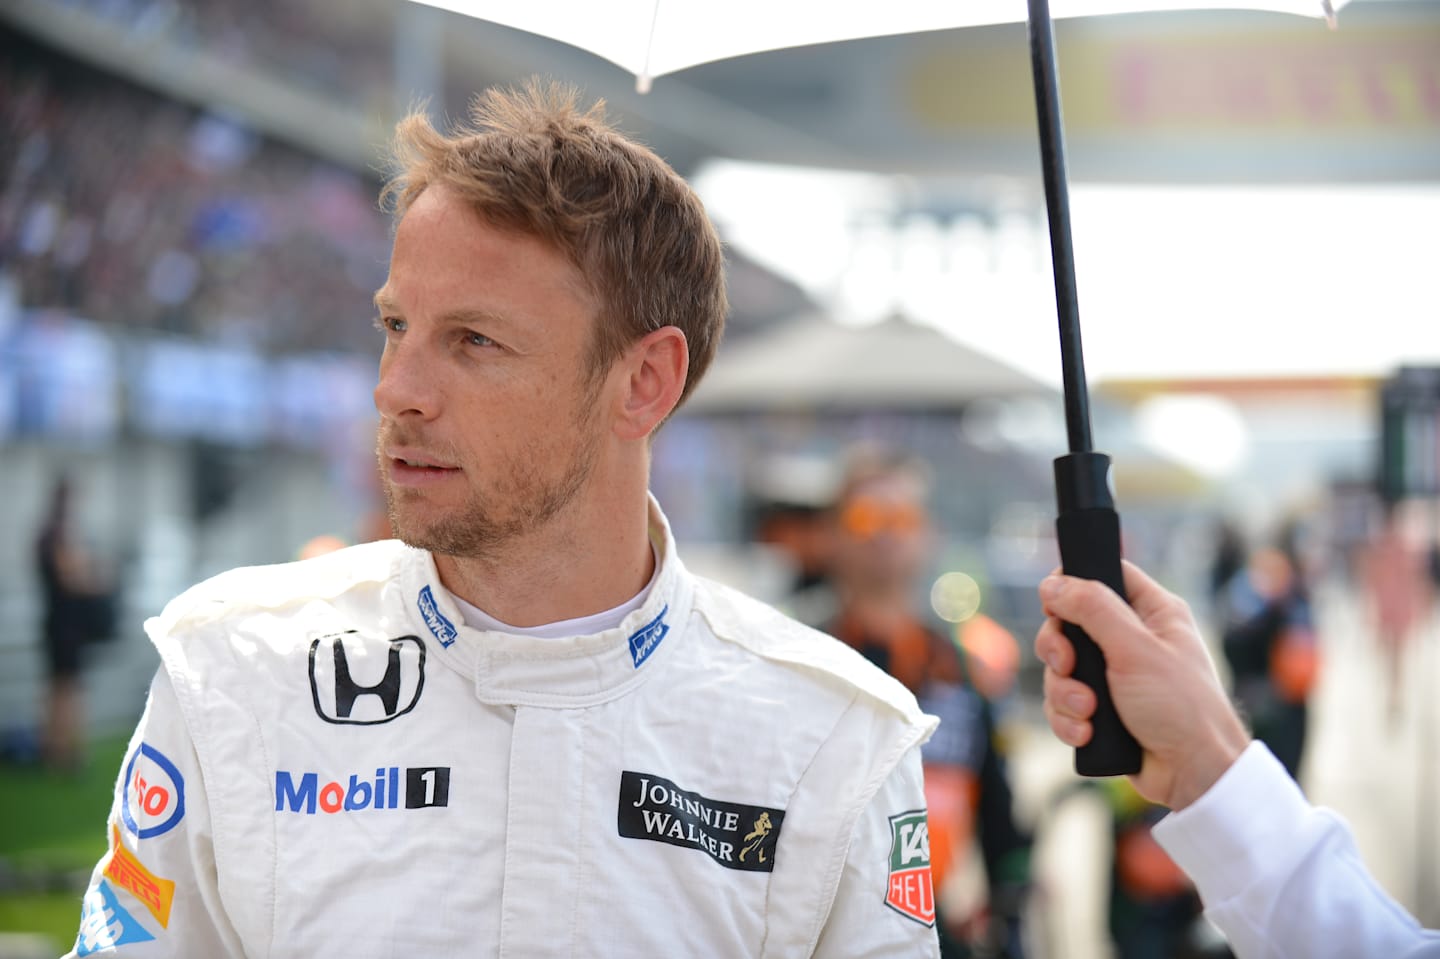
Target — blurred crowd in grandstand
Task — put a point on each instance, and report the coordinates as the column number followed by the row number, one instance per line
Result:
column 303, row 41
column 128, row 209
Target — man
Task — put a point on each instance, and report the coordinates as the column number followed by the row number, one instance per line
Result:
column 1267, row 628
column 883, row 541
column 525, row 730
column 1280, row 878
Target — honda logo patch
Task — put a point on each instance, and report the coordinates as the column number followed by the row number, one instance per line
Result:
column 364, row 682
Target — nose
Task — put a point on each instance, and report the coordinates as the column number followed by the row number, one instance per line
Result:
column 406, row 387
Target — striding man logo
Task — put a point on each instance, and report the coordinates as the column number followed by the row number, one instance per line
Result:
column 358, row 682
column 755, row 838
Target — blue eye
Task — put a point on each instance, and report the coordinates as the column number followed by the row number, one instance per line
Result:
column 478, row 339
column 389, row 324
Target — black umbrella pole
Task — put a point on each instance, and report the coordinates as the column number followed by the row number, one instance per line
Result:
column 1087, row 527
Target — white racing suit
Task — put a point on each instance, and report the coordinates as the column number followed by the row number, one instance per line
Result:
column 332, row 764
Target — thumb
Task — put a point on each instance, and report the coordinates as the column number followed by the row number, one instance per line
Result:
column 1095, row 608
column 1147, row 597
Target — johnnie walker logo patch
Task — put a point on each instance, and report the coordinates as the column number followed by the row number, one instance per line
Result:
column 733, row 834
column 911, row 892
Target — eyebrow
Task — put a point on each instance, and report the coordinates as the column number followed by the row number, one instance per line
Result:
column 386, row 304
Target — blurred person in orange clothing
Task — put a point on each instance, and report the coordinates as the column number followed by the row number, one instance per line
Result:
column 1154, row 912
column 882, row 544
column 1397, row 584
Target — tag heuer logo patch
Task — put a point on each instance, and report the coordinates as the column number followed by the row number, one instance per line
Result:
column 734, row 835
column 910, row 891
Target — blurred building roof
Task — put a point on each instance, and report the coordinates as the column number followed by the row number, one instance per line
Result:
column 812, row 363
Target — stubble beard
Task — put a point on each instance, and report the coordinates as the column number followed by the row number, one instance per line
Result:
column 520, row 502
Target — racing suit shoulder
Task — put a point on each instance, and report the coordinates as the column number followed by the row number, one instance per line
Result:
column 277, row 586
column 768, row 633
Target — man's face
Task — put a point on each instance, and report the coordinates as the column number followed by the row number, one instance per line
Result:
column 489, row 427
column 882, row 531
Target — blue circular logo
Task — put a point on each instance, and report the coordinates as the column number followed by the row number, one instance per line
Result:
column 153, row 792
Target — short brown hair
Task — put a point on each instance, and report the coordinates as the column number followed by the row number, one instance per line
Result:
column 530, row 160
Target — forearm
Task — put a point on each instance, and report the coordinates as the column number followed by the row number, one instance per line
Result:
column 1282, row 878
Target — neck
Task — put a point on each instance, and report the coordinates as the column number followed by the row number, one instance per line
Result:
column 591, row 557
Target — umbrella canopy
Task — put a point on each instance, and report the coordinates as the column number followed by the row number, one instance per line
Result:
column 651, row 38
column 815, row 364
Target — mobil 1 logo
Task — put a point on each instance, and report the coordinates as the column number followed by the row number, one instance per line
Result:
column 390, row 788
column 360, row 682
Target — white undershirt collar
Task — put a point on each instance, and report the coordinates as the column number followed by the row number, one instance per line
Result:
column 477, row 618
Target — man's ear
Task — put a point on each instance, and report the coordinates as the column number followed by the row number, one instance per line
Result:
column 655, row 370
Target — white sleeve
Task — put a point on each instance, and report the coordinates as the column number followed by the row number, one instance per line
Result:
column 1281, row 878
column 885, row 905
column 154, row 893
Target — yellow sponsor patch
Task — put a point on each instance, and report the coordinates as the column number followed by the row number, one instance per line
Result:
column 130, row 874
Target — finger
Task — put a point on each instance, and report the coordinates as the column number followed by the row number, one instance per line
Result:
column 1069, row 697
column 1097, row 609
column 1071, row 732
column 1053, row 649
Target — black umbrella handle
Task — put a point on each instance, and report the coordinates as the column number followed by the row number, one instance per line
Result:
column 1088, row 530
column 1087, row 527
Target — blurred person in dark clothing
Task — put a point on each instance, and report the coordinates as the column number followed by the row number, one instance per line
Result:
column 883, row 540
column 790, row 514
column 1269, row 643
column 1155, row 912
column 1228, row 560
column 77, row 610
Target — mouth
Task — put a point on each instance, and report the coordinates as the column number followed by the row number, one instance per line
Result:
column 409, row 468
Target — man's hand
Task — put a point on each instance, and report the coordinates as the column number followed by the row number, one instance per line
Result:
column 1161, row 677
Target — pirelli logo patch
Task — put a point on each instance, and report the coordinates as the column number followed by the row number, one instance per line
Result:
column 735, row 835
column 910, row 891
column 130, row 874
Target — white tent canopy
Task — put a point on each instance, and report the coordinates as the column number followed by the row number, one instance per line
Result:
column 815, row 364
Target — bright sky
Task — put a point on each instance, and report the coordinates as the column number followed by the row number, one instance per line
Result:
column 1182, row 282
